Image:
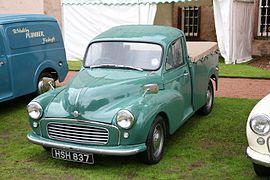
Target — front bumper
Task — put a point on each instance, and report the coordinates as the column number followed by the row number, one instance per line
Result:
column 105, row 150
column 258, row 158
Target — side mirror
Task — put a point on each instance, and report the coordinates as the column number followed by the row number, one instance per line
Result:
column 151, row 88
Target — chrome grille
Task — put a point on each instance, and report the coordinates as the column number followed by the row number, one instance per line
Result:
column 78, row 133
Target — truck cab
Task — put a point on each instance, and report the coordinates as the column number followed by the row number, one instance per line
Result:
column 31, row 51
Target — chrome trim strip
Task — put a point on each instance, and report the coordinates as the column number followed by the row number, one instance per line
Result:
column 82, row 128
column 258, row 158
column 84, row 121
column 80, row 138
column 95, row 150
column 105, row 135
column 78, row 120
column 81, row 141
column 79, row 126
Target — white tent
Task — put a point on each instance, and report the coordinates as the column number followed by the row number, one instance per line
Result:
column 84, row 19
column 234, row 28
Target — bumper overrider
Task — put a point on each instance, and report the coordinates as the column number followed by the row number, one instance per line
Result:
column 258, row 158
column 120, row 150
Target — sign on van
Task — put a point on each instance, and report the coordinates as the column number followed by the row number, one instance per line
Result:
column 31, row 35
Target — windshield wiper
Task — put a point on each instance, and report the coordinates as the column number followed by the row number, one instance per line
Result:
column 103, row 65
column 116, row 66
column 130, row 67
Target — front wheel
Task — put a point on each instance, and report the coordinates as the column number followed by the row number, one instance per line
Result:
column 261, row 170
column 207, row 108
column 155, row 142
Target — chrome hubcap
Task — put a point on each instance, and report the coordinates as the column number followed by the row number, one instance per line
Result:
column 158, row 140
column 209, row 98
column 44, row 85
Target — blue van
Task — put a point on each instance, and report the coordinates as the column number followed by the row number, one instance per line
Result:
column 32, row 55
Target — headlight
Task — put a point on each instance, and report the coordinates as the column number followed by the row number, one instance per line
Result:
column 34, row 110
column 260, row 124
column 124, row 119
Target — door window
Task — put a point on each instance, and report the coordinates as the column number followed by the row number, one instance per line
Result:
column 175, row 56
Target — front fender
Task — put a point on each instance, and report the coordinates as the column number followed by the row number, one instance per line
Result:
column 44, row 100
column 145, row 111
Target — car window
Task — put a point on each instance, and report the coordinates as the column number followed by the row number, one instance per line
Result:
column 175, row 56
column 169, row 62
column 146, row 56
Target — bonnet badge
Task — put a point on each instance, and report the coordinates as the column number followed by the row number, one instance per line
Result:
column 75, row 113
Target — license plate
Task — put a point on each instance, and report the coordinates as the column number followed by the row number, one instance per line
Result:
column 72, row 156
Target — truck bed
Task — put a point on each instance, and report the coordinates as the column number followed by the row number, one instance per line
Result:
column 198, row 49
column 204, row 60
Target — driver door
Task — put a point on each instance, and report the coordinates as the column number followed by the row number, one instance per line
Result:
column 177, row 80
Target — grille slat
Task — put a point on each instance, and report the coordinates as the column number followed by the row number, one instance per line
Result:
column 80, row 141
column 82, row 128
column 76, row 137
column 78, row 133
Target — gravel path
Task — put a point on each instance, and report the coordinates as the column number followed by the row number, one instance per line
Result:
column 243, row 88
column 231, row 87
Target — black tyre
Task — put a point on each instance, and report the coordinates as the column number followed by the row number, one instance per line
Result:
column 261, row 170
column 48, row 149
column 207, row 108
column 41, row 87
column 155, row 142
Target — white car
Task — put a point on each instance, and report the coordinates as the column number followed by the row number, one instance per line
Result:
column 258, row 135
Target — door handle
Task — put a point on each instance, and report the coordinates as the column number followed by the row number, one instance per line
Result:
column 186, row 73
column 2, row 63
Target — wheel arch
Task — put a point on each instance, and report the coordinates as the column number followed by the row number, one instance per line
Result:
column 50, row 70
column 166, row 121
column 214, row 78
column 46, row 66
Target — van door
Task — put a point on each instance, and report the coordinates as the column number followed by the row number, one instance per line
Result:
column 5, row 82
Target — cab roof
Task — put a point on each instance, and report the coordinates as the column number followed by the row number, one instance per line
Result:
column 14, row 18
column 163, row 35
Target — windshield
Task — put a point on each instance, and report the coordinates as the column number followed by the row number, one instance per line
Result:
column 133, row 55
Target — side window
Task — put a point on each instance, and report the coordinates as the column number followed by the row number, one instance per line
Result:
column 175, row 56
column 169, row 62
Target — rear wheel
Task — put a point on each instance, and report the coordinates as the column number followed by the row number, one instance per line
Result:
column 155, row 142
column 207, row 108
column 261, row 170
column 44, row 86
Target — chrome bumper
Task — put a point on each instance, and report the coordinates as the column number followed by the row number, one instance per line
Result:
column 258, row 158
column 124, row 150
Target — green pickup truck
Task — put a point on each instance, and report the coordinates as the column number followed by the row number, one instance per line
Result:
column 138, row 84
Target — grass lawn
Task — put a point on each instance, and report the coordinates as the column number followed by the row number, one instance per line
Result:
column 74, row 65
column 241, row 70
column 206, row 147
